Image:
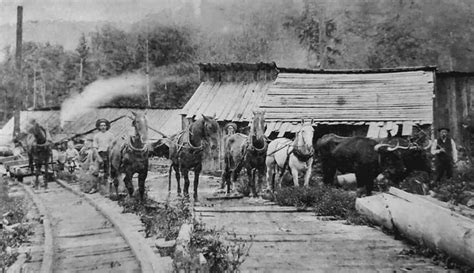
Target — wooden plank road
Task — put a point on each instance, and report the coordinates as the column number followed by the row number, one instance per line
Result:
column 285, row 240
column 301, row 242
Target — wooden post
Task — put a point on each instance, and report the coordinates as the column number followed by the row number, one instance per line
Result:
column 147, row 75
column 18, row 103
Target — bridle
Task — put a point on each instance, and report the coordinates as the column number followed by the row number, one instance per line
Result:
column 297, row 151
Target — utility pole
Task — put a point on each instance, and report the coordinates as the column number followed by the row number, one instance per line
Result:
column 147, row 75
column 19, row 97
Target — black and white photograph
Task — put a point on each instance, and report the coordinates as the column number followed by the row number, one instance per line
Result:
column 236, row 136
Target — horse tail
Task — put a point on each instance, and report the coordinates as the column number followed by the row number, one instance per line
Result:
column 169, row 176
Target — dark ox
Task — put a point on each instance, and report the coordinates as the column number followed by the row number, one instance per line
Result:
column 394, row 158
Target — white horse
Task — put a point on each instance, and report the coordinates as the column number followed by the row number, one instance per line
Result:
column 297, row 155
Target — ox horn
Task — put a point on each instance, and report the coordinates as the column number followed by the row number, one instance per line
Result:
column 378, row 146
column 391, row 149
column 428, row 146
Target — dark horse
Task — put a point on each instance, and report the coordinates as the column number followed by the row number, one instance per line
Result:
column 130, row 156
column 186, row 151
column 249, row 152
column 37, row 144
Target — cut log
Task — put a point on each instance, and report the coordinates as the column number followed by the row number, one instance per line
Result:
column 183, row 241
column 346, row 179
column 422, row 222
column 460, row 209
column 375, row 208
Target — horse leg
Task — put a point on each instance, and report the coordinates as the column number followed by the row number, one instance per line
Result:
column 197, row 171
column 307, row 175
column 178, row 177
column 270, row 163
column 261, row 174
column 37, row 170
column 235, row 175
column 226, row 179
column 251, row 175
column 294, row 174
column 128, row 183
column 184, row 173
column 141, row 183
column 46, row 174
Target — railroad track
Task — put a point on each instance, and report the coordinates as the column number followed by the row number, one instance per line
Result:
column 88, row 233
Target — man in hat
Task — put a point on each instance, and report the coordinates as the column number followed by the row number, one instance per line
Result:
column 445, row 153
column 230, row 128
column 101, row 142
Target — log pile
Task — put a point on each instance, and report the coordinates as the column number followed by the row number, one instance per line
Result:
column 422, row 221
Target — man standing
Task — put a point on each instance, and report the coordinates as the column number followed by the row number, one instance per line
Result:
column 102, row 140
column 445, row 153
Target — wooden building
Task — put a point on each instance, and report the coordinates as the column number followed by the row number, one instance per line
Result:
column 347, row 102
column 230, row 92
column 351, row 102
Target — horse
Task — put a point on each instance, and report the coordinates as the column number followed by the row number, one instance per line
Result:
column 186, row 151
column 297, row 155
column 37, row 143
column 249, row 152
column 129, row 156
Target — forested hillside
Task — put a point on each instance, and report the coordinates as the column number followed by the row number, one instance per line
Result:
column 61, row 58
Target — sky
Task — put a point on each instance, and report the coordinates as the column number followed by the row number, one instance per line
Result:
column 83, row 10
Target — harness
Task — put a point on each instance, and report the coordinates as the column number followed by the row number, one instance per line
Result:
column 183, row 142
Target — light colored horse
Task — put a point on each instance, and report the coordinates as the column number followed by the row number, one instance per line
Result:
column 297, row 155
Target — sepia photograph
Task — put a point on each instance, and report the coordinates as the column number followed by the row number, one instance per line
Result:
column 236, row 136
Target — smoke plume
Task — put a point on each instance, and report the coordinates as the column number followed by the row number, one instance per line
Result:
column 100, row 92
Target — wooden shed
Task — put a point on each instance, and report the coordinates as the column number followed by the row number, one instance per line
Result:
column 351, row 102
column 230, row 92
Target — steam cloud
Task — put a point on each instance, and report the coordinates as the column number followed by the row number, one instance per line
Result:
column 100, row 92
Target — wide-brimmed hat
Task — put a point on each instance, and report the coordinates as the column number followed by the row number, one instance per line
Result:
column 230, row 124
column 443, row 128
column 102, row 120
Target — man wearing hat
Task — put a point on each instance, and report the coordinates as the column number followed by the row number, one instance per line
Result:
column 230, row 128
column 101, row 142
column 445, row 153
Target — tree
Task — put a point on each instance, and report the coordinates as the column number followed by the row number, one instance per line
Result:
column 317, row 31
column 111, row 50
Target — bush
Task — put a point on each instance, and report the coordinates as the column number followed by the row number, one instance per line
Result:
column 221, row 254
column 325, row 200
column 458, row 189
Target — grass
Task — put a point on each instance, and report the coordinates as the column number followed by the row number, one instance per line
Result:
column 10, row 241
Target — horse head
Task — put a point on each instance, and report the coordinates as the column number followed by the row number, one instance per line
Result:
column 210, row 130
column 140, row 123
column 257, row 130
column 304, row 139
column 39, row 133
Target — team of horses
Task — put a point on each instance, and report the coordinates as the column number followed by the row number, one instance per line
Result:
column 260, row 157
column 129, row 155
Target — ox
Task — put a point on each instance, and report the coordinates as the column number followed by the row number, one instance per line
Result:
column 394, row 158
